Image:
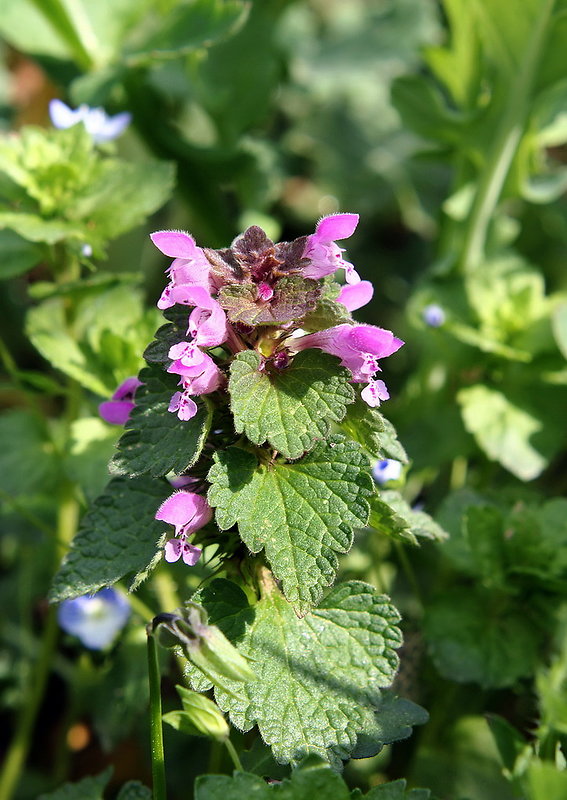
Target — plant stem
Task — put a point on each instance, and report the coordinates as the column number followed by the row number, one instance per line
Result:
column 20, row 744
column 234, row 755
column 158, row 758
column 507, row 137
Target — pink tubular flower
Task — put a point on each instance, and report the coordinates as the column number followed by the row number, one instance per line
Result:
column 356, row 295
column 190, row 267
column 117, row 410
column 323, row 252
column 188, row 512
column 359, row 347
column 207, row 321
column 199, row 372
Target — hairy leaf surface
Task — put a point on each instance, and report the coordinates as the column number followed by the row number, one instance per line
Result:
column 117, row 537
column 300, row 513
column 320, row 678
column 291, row 408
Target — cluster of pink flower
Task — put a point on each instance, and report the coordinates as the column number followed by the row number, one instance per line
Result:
column 198, row 276
column 194, row 281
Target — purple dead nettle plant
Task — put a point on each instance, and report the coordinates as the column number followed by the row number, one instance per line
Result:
column 255, row 295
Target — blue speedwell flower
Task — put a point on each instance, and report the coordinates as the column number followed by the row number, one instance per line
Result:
column 99, row 125
column 433, row 315
column 95, row 619
column 387, row 470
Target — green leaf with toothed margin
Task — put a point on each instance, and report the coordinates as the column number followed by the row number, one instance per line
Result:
column 155, row 440
column 321, row 678
column 291, row 408
column 301, row 514
column 117, row 537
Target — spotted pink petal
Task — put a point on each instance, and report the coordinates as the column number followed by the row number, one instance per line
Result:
column 374, row 393
column 191, row 554
column 356, row 295
column 173, row 548
column 186, row 407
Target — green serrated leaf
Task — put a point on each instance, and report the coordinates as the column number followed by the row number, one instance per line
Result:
column 117, row 536
column 290, row 409
column 373, row 431
column 155, row 440
column 90, row 788
column 313, row 778
column 320, row 678
column 419, row 523
column 300, row 513
column 393, row 516
column 294, row 297
column 174, row 331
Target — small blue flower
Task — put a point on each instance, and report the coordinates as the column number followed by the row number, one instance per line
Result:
column 433, row 315
column 94, row 619
column 99, row 125
column 387, row 470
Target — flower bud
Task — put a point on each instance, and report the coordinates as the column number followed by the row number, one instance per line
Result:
column 199, row 717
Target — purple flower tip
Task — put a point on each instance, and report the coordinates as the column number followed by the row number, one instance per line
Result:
column 117, row 410
column 94, row 619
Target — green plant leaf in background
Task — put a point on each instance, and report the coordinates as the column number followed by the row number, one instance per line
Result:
column 91, row 788
column 100, row 345
column 134, row 790
column 291, row 408
column 155, row 440
column 117, row 537
column 320, row 678
column 372, row 431
column 503, row 430
column 311, row 779
column 17, row 254
column 301, row 513
column 28, row 460
column 481, row 637
column 393, row 516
